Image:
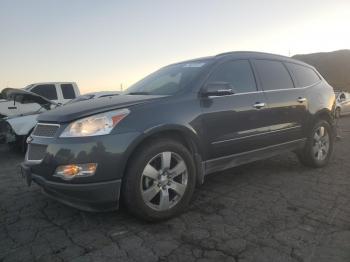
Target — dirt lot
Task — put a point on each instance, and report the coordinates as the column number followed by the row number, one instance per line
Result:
column 272, row 210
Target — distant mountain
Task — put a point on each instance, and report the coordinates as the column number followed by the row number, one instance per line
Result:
column 334, row 67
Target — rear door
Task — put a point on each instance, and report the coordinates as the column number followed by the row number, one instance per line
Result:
column 287, row 104
column 234, row 123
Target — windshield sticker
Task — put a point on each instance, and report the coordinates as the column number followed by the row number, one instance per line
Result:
column 194, row 65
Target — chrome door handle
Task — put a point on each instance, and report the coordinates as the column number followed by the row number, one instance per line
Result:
column 302, row 99
column 259, row 105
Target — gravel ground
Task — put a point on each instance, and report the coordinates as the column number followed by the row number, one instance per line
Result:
column 271, row 210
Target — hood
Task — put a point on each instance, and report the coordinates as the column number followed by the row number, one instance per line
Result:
column 82, row 109
column 22, row 96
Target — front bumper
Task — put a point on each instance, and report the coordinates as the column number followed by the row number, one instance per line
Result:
column 99, row 192
column 101, row 196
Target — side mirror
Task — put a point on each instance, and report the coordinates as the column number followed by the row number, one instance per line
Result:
column 217, row 89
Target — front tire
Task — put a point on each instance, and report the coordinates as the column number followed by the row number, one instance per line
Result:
column 319, row 146
column 160, row 180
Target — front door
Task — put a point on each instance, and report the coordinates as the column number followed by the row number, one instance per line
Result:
column 235, row 123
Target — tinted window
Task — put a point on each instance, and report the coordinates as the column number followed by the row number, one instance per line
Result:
column 273, row 75
column 47, row 91
column 304, row 76
column 68, row 91
column 238, row 73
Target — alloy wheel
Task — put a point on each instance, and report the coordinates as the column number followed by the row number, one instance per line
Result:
column 164, row 181
column 320, row 147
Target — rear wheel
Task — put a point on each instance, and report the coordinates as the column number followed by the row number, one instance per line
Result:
column 319, row 146
column 160, row 180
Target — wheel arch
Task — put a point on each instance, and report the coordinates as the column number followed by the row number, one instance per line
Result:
column 185, row 135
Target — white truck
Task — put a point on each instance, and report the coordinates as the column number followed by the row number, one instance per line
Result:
column 57, row 92
column 19, row 108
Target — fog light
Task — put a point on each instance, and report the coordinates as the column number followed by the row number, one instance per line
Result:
column 69, row 172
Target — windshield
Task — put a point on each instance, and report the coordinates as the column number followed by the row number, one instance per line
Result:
column 168, row 80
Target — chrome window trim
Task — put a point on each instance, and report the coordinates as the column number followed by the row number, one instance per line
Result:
column 267, row 91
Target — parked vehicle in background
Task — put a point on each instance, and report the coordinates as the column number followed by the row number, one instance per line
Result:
column 152, row 145
column 95, row 95
column 342, row 104
column 15, row 129
column 57, row 92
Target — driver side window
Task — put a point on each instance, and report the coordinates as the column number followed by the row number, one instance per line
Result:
column 238, row 73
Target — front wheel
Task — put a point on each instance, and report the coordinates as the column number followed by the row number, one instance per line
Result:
column 319, row 146
column 160, row 180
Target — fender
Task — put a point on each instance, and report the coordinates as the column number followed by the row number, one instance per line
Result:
column 189, row 135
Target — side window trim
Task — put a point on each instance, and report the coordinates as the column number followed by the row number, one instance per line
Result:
column 257, row 89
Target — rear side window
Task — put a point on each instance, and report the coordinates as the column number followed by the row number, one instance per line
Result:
column 68, row 91
column 238, row 73
column 304, row 76
column 47, row 91
column 273, row 75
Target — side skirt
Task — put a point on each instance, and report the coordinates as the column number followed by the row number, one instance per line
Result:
column 226, row 162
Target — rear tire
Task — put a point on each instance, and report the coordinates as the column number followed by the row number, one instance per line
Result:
column 318, row 147
column 160, row 180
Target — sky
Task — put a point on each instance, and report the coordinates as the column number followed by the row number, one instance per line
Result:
column 106, row 44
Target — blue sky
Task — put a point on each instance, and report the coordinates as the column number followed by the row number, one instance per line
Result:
column 101, row 44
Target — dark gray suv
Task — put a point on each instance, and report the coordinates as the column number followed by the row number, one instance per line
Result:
column 150, row 146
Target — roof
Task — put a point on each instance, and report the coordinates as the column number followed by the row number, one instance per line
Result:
column 246, row 54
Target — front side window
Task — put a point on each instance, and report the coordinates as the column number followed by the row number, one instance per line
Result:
column 273, row 75
column 68, row 91
column 168, row 80
column 304, row 76
column 238, row 73
column 48, row 91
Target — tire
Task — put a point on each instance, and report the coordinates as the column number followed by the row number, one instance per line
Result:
column 337, row 113
column 150, row 171
column 313, row 149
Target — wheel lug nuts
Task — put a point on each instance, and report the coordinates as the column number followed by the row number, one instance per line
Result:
column 169, row 183
column 159, row 185
column 164, row 187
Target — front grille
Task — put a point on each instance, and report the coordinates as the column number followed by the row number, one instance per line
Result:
column 36, row 152
column 45, row 130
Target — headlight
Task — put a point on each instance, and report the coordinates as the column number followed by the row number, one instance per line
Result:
column 96, row 125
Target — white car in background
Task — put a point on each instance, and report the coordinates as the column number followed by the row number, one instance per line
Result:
column 57, row 92
column 342, row 104
column 16, row 128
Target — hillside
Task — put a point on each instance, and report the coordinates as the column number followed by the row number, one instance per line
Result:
column 334, row 66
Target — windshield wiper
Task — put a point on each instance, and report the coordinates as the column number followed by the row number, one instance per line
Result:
column 138, row 93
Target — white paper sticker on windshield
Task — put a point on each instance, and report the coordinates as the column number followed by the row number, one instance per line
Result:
column 194, row 65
